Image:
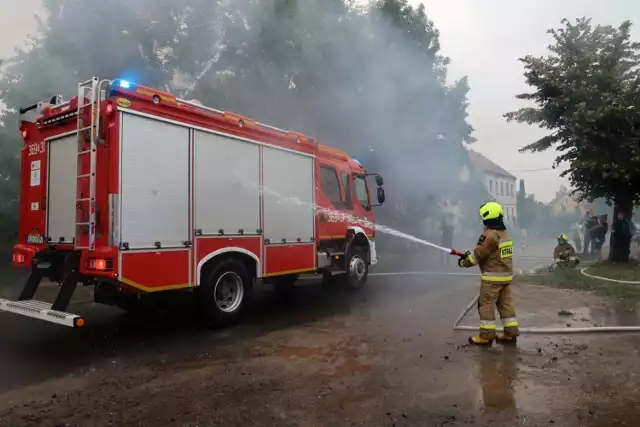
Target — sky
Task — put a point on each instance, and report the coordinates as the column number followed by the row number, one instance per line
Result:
column 484, row 39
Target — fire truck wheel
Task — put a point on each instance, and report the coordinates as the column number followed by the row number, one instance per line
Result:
column 357, row 268
column 223, row 294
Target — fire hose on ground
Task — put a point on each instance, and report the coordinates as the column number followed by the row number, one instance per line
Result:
column 458, row 327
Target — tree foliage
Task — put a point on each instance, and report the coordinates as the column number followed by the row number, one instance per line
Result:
column 586, row 95
column 367, row 79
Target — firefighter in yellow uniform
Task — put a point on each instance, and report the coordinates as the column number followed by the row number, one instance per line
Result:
column 494, row 255
column 564, row 255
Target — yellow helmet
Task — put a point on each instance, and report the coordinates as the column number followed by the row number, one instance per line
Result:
column 563, row 237
column 490, row 210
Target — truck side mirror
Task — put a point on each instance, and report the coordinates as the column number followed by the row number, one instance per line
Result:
column 379, row 183
column 381, row 197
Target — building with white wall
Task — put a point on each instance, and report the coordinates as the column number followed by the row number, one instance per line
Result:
column 500, row 184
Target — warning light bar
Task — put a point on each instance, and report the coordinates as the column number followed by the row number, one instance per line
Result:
column 59, row 118
column 124, row 84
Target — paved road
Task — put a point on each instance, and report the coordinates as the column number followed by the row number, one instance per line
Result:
column 32, row 350
column 380, row 357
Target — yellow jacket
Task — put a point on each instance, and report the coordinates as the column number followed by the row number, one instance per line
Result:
column 564, row 252
column 494, row 255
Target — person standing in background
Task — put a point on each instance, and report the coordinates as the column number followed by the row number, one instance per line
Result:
column 588, row 224
column 599, row 234
column 621, row 239
column 577, row 239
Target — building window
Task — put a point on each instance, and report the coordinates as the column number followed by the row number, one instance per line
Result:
column 511, row 189
column 502, row 188
column 490, row 186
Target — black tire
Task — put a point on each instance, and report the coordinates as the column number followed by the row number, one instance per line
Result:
column 357, row 268
column 222, row 307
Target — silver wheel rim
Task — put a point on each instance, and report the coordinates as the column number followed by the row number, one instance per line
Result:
column 357, row 268
column 229, row 292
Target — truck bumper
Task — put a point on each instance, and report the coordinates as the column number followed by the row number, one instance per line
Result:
column 52, row 264
column 41, row 310
column 373, row 255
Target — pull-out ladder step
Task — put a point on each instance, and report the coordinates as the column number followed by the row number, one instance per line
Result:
column 42, row 310
column 54, row 313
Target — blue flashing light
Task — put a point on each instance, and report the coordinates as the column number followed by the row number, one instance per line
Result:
column 124, row 84
column 357, row 161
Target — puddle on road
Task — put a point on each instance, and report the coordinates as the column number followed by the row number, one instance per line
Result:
column 617, row 315
column 505, row 385
column 584, row 317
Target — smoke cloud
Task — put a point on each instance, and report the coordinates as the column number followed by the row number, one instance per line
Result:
column 368, row 78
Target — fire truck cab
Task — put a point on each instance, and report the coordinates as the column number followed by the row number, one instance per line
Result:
column 135, row 192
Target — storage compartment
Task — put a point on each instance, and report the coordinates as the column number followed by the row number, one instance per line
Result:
column 227, row 185
column 289, row 209
column 154, row 183
column 289, row 259
column 61, row 194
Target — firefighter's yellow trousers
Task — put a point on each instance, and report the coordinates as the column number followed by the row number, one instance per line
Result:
column 492, row 296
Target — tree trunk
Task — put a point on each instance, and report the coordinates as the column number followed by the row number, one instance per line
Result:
column 619, row 249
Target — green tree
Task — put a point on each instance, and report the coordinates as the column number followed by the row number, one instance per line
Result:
column 586, row 92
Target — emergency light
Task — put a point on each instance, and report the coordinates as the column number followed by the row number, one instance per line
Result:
column 121, row 84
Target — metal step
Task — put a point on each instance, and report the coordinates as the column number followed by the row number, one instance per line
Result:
column 337, row 272
column 41, row 310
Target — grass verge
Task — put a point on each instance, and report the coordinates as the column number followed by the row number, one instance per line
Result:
column 573, row 279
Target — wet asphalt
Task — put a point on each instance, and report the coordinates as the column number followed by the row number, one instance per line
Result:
column 385, row 355
column 33, row 351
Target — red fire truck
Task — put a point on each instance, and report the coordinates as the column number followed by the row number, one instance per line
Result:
column 133, row 191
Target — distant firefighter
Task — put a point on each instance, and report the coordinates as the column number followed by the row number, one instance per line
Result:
column 564, row 255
